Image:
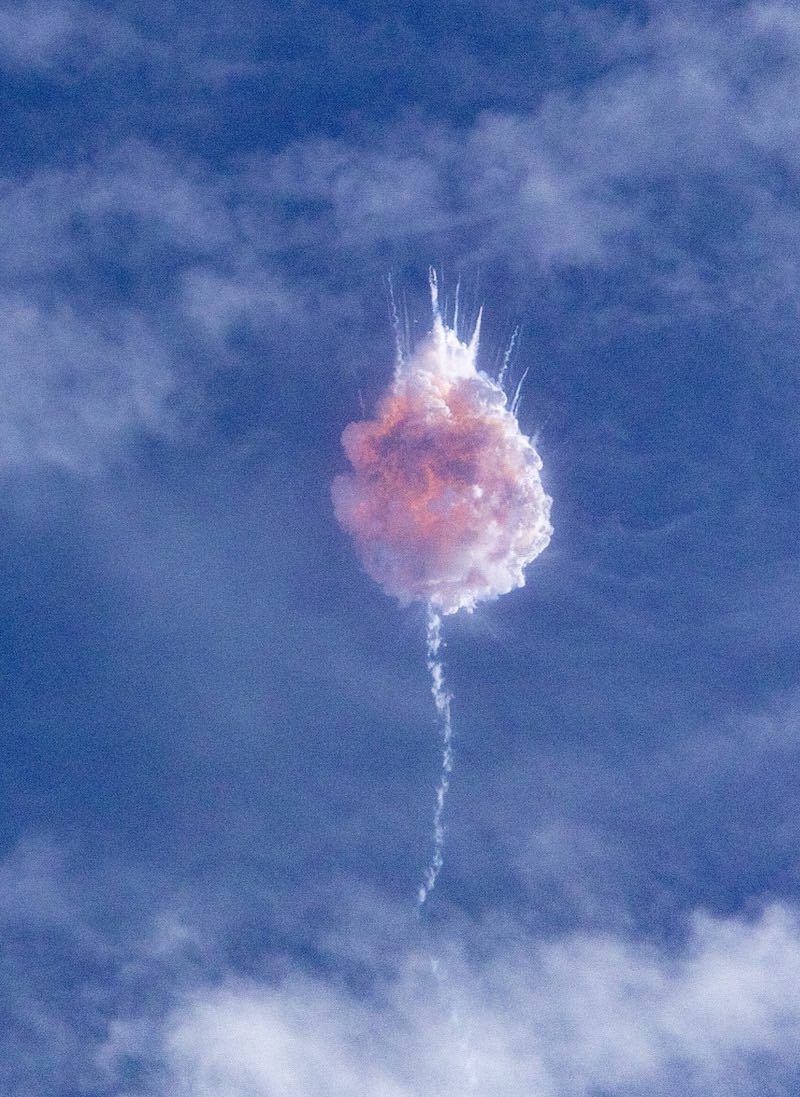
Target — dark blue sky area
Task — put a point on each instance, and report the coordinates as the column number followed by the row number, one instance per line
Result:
column 220, row 749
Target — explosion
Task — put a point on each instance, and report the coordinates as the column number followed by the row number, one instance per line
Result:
column 445, row 501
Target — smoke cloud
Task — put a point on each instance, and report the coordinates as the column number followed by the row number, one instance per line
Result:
column 445, row 501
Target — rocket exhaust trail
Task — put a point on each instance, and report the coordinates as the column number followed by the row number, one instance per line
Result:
column 442, row 699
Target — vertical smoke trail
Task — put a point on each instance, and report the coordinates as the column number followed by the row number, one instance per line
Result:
column 400, row 337
column 501, row 377
column 442, row 699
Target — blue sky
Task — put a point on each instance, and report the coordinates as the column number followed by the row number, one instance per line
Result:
column 220, row 750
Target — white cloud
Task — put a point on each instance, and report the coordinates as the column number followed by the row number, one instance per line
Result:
column 84, row 366
column 32, row 33
column 132, row 208
column 691, row 102
column 40, row 34
column 569, row 1017
column 665, row 162
column 172, row 198
column 363, row 195
column 216, row 302
column 72, row 388
column 509, row 1013
column 33, row 885
column 688, row 96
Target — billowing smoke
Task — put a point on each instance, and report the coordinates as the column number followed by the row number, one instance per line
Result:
column 445, row 502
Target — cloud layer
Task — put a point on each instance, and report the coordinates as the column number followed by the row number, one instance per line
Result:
column 569, row 1017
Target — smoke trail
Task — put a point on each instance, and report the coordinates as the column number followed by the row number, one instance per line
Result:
column 400, row 342
column 442, row 699
column 501, row 377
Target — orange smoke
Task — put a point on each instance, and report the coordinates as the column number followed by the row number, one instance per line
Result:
column 444, row 502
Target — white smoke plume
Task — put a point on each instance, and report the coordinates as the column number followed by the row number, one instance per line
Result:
column 442, row 699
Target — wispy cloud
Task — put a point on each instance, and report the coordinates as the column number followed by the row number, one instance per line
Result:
column 74, row 388
column 507, row 1012
column 667, row 162
column 76, row 956
column 572, row 1016
column 61, row 34
column 96, row 319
